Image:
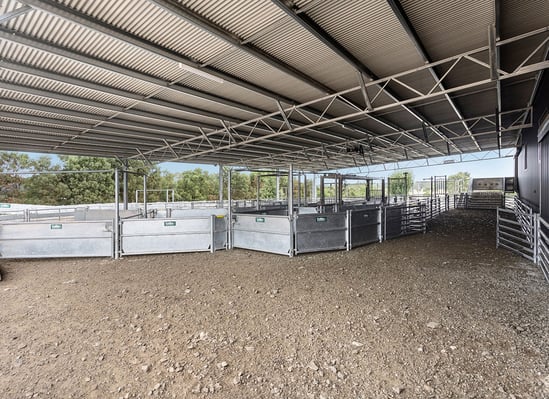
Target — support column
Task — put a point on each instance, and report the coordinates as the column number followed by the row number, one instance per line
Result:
column 258, row 189
column 116, row 221
column 291, row 190
column 230, row 211
column 383, row 197
column 339, row 194
column 298, row 189
column 145, row 195
column 368, row 190
column 220, row 173
column 125, row 184
column 305, row 188
column 406, row 188
column 314, row 197
column 322, row 194
column 277, row 186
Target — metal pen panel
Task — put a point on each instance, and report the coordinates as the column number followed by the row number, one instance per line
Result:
column 150, row 236
column 56, row 240
column 266, row 233
column 320, row 232
column 365, row 226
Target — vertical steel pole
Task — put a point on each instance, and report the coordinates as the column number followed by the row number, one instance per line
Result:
column 291, row 209
column 298, row 189
column 406, row 188
column 125, row 177
column 291, row 190
column 258, row 189
column 277, row 186
column 145, row 195
column 322, row 194
column 383, row 197
column 230, row 211
column 305, row 189
column 348, row 215
column 220, row 177
column 212, row 233
column 116, row 221
column 313, row 194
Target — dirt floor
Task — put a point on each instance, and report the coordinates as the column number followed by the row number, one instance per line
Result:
column 440, row 315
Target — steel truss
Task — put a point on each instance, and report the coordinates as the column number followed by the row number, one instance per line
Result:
column 325, row 157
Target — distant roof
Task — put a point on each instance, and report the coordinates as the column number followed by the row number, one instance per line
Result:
column 320, row 84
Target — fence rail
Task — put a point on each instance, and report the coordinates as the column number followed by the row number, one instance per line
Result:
column 543, row 247
column 525, row 233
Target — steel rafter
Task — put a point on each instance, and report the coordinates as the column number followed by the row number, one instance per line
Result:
column 120, row 93
column 14, row 14
column 413, row 36
column 78, row 57
column 312, row 27
column 484, row 125
column 179, row 10
column 474, row 56
column 86, row 21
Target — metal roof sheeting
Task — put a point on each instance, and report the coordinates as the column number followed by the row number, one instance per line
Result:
column 450, row 27
column 114, row 76
column 370, row 31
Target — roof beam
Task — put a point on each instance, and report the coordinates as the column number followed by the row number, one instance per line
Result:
column 76, row 17
column 204, row 24
column 312, row 27
column 86, row 21
column 82, row 58
column 420, row 48
column 198, row 21
column 14, row 14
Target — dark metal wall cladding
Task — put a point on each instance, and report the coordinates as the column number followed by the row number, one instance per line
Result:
column 533, row 181
column 544, row 189
column 541, row 115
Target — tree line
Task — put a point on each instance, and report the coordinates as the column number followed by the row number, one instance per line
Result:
column 40, row 181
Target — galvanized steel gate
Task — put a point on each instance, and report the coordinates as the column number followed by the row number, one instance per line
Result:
column 526, row 233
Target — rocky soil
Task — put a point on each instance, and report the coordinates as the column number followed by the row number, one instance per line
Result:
column 440, row 315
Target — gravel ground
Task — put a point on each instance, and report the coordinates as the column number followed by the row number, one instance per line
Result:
column 440, row 315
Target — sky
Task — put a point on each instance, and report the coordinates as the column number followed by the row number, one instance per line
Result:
column 498, row 167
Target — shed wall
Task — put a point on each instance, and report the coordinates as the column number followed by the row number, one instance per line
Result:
column 532, row 169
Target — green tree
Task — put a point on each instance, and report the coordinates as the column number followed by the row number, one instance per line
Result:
column 196, row 185
column 459, row 182
column 11, row 165
column 400, row 183
column 46, row 188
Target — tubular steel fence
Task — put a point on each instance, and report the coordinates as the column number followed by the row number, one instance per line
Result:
column 525, row 233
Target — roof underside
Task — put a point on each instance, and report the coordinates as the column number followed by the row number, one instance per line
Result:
column 320, row 84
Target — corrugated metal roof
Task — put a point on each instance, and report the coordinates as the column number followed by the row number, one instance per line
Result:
column 300, row 49
column 254, row 70
column 243, row 18
column 111, row 69
column 522, row 16
column 370, row 31
column 450, row 27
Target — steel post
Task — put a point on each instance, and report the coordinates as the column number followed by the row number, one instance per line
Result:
column 116, row 221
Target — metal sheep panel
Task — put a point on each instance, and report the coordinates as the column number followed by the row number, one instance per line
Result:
column 321, row 232
column 365, row 227
column 393, row 222
column 149, row 236
column 56, row 240
column 220, row 232
column 267, row 233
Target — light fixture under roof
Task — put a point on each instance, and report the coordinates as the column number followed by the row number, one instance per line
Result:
column 199, row 72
